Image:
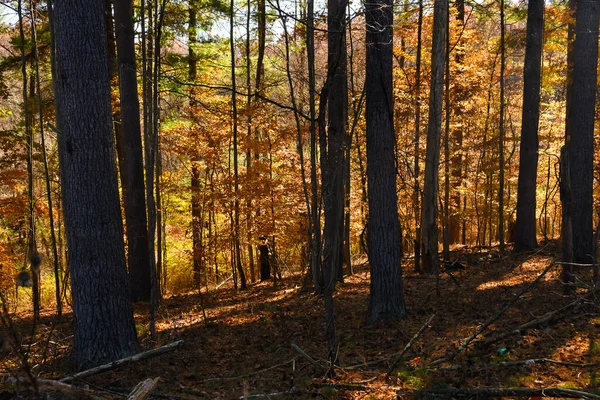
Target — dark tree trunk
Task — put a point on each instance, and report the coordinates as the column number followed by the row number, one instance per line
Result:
column 236, row 201
column 132, row 169
column 429, row 227
column 525, row 230
column 417, row 151
column 580, row 127
column 501, row 133
column 333, row 164
column 386, row 296
column 195, row 157
column 456, row 159
column 89, row 185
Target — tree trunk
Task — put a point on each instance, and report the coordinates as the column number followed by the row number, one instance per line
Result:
column 333, row 164
column 501, row 132
column 132, row 171
column 456, row 158
column 417, row 151
column 429, row 227
column 447, row 112
column 45, row 160
column 90, row 190
column 580, row 127
column 386, row 296
column 236, row 201
column 525, row 229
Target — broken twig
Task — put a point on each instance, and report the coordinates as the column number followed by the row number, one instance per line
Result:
column 306, row 356
column 124, row 361
column 408, row 345
column 507, row 392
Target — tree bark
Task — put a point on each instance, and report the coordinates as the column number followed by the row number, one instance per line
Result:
column 417, row 167
column 501, row 132
column 132, row 169
column 580, row 127
column 90, row 190
column 525, row 229
column 236, row 201
column 386, row 296
column 429, row 227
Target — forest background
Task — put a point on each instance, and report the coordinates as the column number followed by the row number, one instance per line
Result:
column 232, row 153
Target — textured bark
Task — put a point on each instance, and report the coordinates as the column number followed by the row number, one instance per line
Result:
column 236, row 201
column 525, row 229
column 460, row 95
column 333, row 156
column 195, row 157
column 417, row 151
column 429, row 227
column 386, row 297
column 501, row 133
column 132, row 169
column 104, row 326
column 580, row 126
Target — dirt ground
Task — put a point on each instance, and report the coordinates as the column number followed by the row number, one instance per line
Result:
column 244, row 346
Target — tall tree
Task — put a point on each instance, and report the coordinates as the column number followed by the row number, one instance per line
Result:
column 456, row 159
column 132, row 173
column 417, row 152
column 386, row 296
column 89, row 183
column 236, row 200
column 580, row 126
column 501, row 130
column 337, row 115
column 525, row 230
column 429, row 227
column 195, row 157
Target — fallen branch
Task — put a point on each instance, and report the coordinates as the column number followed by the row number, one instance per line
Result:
column 306, row 356
column 548, row 317
column 341, row 386
column 74, row 391
column 496, row 317
column 124, row 361
column 222, row 283
column 266, row 395
column 546, row 361
column 507, row 392
column 408, row 345
column 143, row 389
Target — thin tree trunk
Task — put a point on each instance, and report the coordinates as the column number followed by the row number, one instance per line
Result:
column 55, row 257
column 417, row 166
column 315, row 226
column 432, row 157
column 446, row 214
column 249, row 173
column 236, row 201
column 525, row 228
column 132, row 168
column 501, row 132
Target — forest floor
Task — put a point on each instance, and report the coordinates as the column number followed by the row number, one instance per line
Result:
column 244, row 347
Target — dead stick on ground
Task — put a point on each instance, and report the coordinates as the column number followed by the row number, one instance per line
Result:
column 496, row 317
column 124, row 361
column 143, row 389
column 545, row 361
column 48, row 384
column 408, row 345
column 553, row 315
column 306, row 356
column 508, row 392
